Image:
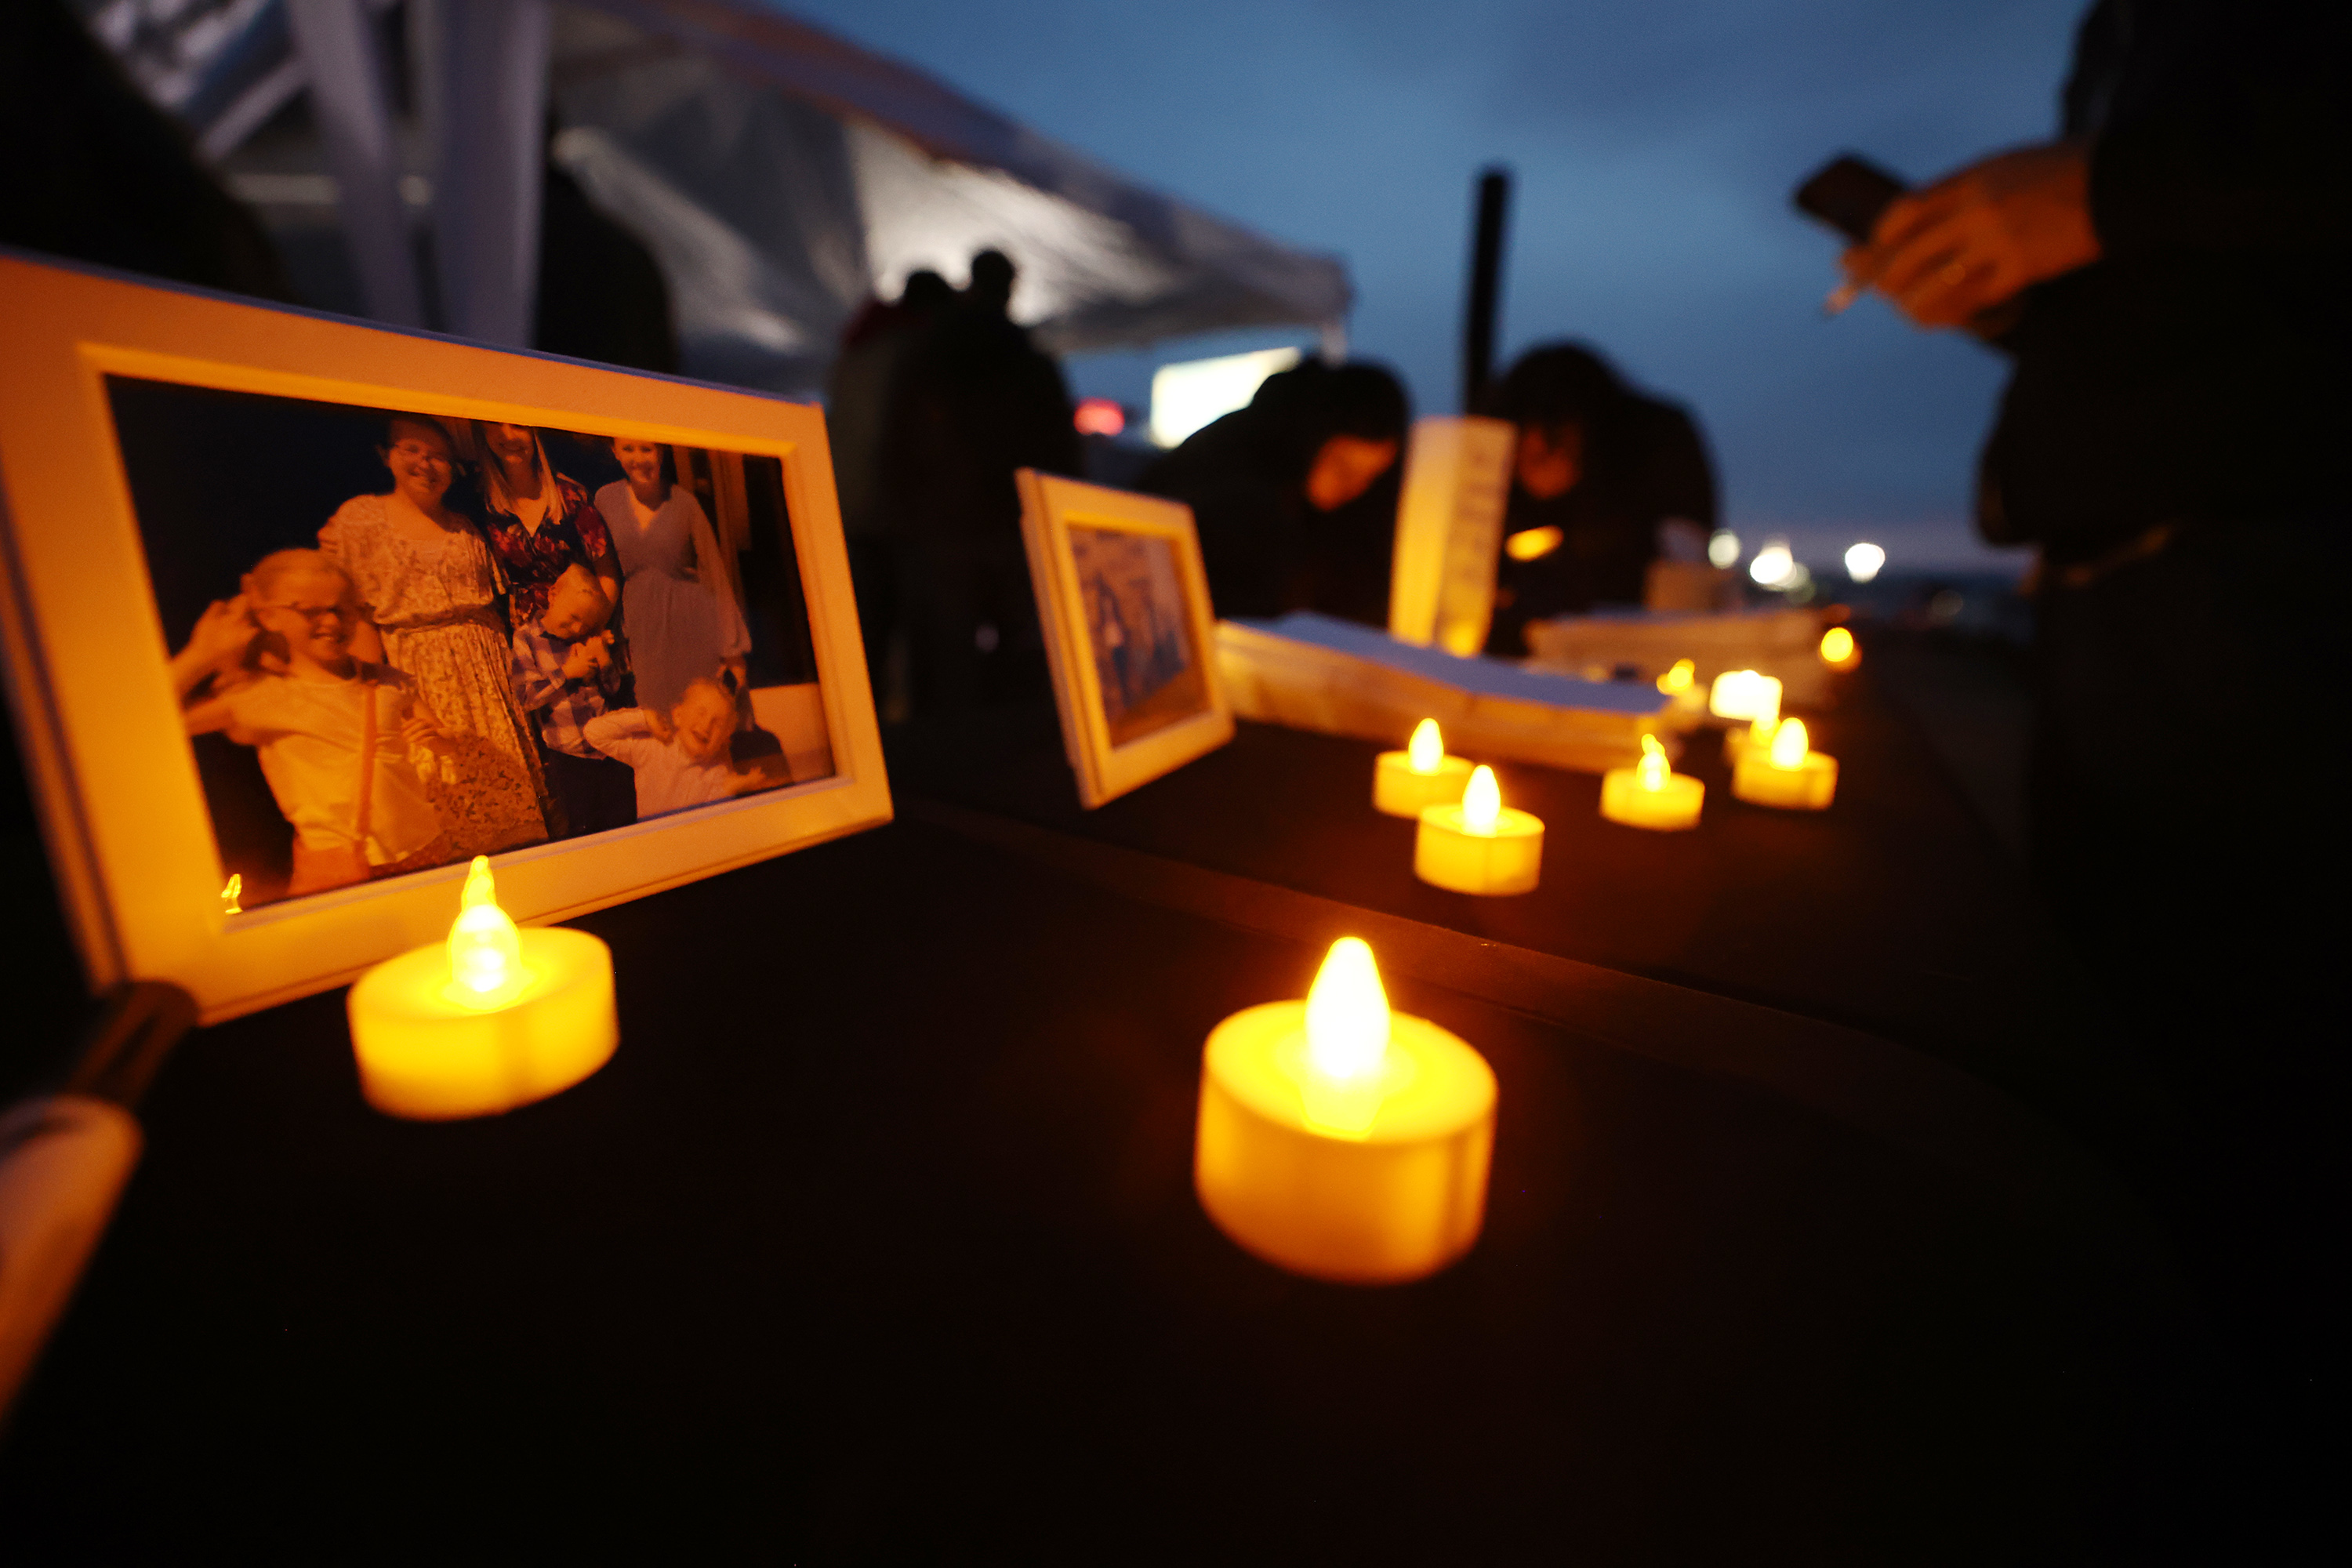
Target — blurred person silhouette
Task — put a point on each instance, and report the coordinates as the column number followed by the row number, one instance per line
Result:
column 98, row 174
column 2167, row 277
column 1275, row 490
column 1623, row 478
column 973, row 400
column 857, row 408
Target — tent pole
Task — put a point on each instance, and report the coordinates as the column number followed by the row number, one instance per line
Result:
column 349, row 94
column 490, row 165
column 1485, row 284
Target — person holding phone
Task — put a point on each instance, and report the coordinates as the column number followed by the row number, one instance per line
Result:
column 2167, row 277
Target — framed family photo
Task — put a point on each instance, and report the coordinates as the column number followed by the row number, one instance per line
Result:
column 301, row 613
column 1130, row 632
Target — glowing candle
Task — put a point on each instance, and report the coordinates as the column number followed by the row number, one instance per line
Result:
column 1649, row 796
column 1786, row 774
column 1765, row 716
column 1681, row 683
column 1339, row 1140
column 233, row 894
column 1839, row 650
column 491, row 1019
column 1480, row 846
column 1744, row 694
column 1405, row 783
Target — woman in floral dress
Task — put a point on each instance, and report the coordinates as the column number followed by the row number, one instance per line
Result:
column 423, row 578
column 537, row 521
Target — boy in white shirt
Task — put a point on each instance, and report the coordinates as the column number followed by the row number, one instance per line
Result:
column 681, row 758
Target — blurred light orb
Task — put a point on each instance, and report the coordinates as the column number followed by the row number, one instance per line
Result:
column 1723, row 549
column 1774, row 565
column 1533, row 543
column 1864, row 561
column 1100, row 416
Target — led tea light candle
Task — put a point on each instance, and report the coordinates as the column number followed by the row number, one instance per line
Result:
column 1681, row 683
column 1766, row 715
column 1480, row 846
column 491, row 1019
column 1839, row 650
column 1744, row 694
column 1406, row 783
column 1648, row 795
column 1339, row 1140
column 1786, row 774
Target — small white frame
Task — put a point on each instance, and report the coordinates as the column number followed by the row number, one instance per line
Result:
column 1049, row 507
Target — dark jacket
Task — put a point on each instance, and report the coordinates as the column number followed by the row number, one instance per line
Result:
column 1264, row 548
column 1644, row 463
column 2198, row 369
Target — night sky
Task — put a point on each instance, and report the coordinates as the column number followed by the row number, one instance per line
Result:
column 1654, row 144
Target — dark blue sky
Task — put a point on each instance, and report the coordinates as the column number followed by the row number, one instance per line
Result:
column 1655, row 145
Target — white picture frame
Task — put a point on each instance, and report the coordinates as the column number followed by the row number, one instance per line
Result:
column 138, row 866
column 1179, row 710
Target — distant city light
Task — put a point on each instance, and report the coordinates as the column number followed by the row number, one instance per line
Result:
column 1774, row 564
column 1863, row 562
column 1100, row 416
column 1187, row 395
column 1723, row 549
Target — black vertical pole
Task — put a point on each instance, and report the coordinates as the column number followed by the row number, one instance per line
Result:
column 1486, row 284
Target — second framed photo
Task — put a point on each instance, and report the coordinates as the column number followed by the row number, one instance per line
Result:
column 1130, row 631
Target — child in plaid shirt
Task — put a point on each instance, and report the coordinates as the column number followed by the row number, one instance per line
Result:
column 567, row 672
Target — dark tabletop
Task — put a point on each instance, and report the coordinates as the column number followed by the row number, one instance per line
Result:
column 875, row 1241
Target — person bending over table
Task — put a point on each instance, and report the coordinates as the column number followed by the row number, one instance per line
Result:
column 423, row 576
column 1264, row 480
column 1604, row 480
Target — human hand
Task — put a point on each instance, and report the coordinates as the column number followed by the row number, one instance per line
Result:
column 222, row 634
column 581, row 662
column 1945, row 253
column 420, row 732
column 657, row 724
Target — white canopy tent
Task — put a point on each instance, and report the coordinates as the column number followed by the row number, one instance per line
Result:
column 778, row 174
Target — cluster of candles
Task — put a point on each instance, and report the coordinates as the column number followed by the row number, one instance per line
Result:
column 1468, row 840
column 1336, row 1138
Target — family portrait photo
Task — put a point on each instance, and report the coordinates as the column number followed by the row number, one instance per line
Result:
column 1148, row 671
column 402, row 640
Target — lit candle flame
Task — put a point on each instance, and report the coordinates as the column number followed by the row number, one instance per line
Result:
column 1348, row 1013
column 1789, row 743
column 1482, row 803
column 1533, row 543
column 1654, row 764
column 1837, row 646
column 1679, row 678
column 1346, row 1040
column 485, row 949
column 1426, row 750
column 231, row 893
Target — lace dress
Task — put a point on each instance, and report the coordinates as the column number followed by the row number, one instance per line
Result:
column 433, row 604
column 676, row 600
